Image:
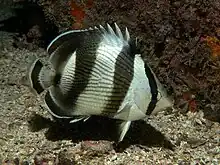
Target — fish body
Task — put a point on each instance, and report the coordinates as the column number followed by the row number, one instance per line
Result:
column 97, row 71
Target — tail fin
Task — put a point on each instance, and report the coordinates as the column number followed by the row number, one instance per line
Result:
column 39, row 76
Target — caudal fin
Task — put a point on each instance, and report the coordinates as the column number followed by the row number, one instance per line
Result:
column 33, row 76
column 39, row 76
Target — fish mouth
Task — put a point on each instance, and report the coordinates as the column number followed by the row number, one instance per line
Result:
column 163, row 104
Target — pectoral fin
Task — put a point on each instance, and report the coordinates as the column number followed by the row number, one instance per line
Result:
column 123, row 129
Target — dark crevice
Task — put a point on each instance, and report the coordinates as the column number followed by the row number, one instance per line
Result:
column 29, row 20
column 159, row 48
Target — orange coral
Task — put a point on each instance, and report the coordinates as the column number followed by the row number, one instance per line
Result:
column 214, row 44
column 190, row 98
column 78, row 12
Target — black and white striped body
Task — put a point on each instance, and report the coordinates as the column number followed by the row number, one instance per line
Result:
column 107, row 78
column 97, row 72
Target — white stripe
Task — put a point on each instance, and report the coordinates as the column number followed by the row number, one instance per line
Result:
column 138, row 95
column 68, row 74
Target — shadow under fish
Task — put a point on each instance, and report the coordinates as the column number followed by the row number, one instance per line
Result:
column 98, row 128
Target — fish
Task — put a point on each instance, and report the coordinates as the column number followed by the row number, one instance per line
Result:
column 97, row 71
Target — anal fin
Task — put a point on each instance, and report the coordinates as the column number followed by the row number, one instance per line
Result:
column 84, row 118
column 123, row 129
column 53, row 107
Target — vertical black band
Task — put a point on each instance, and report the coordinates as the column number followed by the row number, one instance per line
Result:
column 34, row 77
column 153, row 87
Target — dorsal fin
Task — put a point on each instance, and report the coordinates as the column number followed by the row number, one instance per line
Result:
column 110, row 30
column 102, row 29
column 113, row 35
column 69, row 35
column 60, row 39
column 64, row 45
column 118, row 32
column 127, row 35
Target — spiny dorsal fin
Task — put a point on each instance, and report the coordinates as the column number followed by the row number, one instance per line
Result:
column 127, row 35
column 112, row 36
column 102, row 29
column 95, row 27
column 118, row 32
column 75, row 33
column 66, row 43
column 110, row 30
